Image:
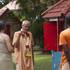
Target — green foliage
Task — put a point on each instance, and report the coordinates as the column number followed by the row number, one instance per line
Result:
column 3, row 3
column 31, row 10
column 37, row 30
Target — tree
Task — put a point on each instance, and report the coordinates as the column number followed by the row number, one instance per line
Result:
column 31, row 10
column 3, row 3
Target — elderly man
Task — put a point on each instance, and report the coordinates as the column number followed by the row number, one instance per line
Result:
column 23, row 43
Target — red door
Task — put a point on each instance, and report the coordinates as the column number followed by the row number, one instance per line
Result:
column 50, row 35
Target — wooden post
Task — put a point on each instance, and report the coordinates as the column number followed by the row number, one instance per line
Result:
column 57, row 34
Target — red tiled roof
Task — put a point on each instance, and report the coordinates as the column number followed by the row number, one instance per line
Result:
column 11, row 6
column 63, row 6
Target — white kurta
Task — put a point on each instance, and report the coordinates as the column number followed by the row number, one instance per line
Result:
column 5, row 55
column 23, row 55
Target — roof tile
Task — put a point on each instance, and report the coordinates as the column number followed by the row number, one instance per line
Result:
column 62, row 6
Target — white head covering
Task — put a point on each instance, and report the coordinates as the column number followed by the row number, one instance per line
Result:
column 26, row 22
